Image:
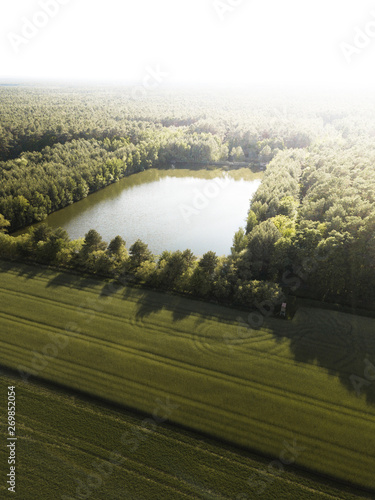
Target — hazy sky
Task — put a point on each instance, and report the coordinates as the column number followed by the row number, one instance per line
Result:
column 190, row 41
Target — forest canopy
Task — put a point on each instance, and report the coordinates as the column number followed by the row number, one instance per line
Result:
column 310, row 225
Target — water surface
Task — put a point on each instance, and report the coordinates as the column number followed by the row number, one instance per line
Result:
column 168, row 209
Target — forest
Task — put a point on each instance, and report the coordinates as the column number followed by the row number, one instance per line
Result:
column 310, row 226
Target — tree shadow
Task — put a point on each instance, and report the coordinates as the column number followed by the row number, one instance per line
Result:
column 28, row 272
column 151, row 302
column 341, row 343
column 72, row 281
column 338, row 342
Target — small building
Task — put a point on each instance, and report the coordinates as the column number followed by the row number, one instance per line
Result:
column 283, row 310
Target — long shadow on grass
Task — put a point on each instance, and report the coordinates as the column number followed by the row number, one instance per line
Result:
column 28, row 272
column 71, row 281
column 150, row 302
column 343, row 344
column 68, row 279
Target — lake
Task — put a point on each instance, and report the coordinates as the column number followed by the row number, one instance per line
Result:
column 167, row 209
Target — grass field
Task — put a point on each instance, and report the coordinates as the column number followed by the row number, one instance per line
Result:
column 257, row 389
column 66, row 442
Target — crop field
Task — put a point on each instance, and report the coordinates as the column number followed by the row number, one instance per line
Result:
column 69, row 446
column 287, row 382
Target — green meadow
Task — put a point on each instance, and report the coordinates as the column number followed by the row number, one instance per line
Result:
column 257, row 389
column 72, row 447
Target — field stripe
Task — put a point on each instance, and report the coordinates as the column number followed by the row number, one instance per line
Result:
column 157, row 358
column 229, row 414
column 254, row 384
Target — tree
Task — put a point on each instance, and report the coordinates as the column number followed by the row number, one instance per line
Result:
column 71, row 254
column 209, row 262
column 117, row 247
column 225, row 279
column 251, row 221
column 174, row 269
column 266, row 154
column 239, row 241
column 117, row 253
column 261, row 245
column 8, row 246
column 97, row 262
column 3, row 224
column 139, row 253
column 330, row 275
column 237, row 154
column 285, row 225
column 145, row 273
column 48, row 243
column 93, row 242
column 22, row 212
column 254, row 293
column 42, row 232
column 288, row 207
column 203, row 276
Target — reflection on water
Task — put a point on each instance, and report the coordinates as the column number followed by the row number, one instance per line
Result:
column 168, row 209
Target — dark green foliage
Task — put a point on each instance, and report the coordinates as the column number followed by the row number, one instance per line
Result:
column 239, row 241
column 139, row 253
column 322, row 203
column 251, row 221
column 254, row 293
column 116, row 246
column 261, row 245
column 93, row 242
column 41, row 233
column 4, row 224
column 208, row 263
column 173, row 269
column 310, row 228
column 59, row 145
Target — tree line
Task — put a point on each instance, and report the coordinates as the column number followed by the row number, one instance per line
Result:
column 179, row 271
column 59, row 145
column 311, row 223
column 310, row 226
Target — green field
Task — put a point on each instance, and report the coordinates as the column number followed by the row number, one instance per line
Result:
column 289, row 380
column 70, row 446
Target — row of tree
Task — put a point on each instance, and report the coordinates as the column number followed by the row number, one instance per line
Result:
column 209, row 277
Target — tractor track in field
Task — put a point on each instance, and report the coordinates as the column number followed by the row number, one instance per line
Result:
column 223, row 376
